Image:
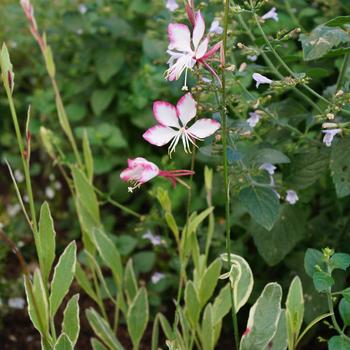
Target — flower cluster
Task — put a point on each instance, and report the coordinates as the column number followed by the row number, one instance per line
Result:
column 173, row 122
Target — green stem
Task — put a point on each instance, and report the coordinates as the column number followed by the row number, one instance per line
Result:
column 342, row 72
column 226, row 170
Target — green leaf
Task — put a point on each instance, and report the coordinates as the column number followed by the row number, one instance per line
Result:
column 270, row 155
column 340, row 167
column 208, row 329
column 338, row 21
column 88, row 158
column 144, row 261
column 340, row 261
column 130, row 283
column 241, row 278
column 6, row 68
column 167, row 329
column 313, row 258
column 192, row 305
column 346, row 294
column 101, row 99
column 344, row 310
column 103, row 330
column 47, row 245
column 263, row 318
column 222, row 304
column 84, row 282
column 322, row 281
column 209, row 281
column 62, row 277
column 338, row 343
column 279, row 340
column 108, row 63
column 289, row 229
column 262, row 204
column 63, row 343
column 321, row 40
column 109, row 254
column 97, row 345
column 294, row 311
column 71, row 320
column 137, row 317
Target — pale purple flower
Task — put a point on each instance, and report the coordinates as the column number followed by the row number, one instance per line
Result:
column 155, row 240
column 329, row 135
column 82, row 9
column 156, row 277
column 18, row 175
column 171, row 5
column 206, row 80
column 216, row 28
column 16, row 303
column 261, row 79
column 270, row 168
column 253, row 119
column 252, row 58
column 272, row 14
column 292, row 197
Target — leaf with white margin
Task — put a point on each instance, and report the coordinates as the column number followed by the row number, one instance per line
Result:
column 241, row 278
column 263, row 319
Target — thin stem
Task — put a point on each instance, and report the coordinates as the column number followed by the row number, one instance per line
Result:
column 226, row 170
column 342, row 72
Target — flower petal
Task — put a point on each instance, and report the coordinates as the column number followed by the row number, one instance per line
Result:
column 149, row 174
column 204, row 127
column 213, row 50
column 202, row 48
column 186, row 108
column 166, row 114
column 198, row 30
column 179, row 37
column 131, row 174
column 159, row 135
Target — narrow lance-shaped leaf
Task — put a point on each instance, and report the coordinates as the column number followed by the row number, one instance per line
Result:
column 71, row 320
column 63, row 343
column 88, row 158
column 6, row 69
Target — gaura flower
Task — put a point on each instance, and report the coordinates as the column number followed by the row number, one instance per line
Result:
column 270, row 168
column 292, row 197
column 272, row 14
column 216, row 28
column 261, row 79
column 186, row 50
column 171, row 5
column 140, row 170
column 253, row 119
column 329, row 136
column 173, row 121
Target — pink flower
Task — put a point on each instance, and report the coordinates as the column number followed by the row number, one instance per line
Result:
column 186, row 50
column 172, row 124
column 140, row 170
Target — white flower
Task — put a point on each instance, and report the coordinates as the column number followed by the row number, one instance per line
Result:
column 18, row 175
column 292, row 197
column 254, row 119
column 171, row 5
column 49, row 192
column 206, row 80
column 252, row 58
column 82, row 9
column 216, row 28
column 155, row 240
column 13, row 210
column 16, row 303
column 272, row 14
column 270, row 168
column 156, row 277
column 329, row 135
column 57, row 185
column 261, row 79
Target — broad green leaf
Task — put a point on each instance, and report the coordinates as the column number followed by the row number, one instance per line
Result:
column 262, row 204
column 130, row 283
column 313, row 258
column 340, row 167
column 288, row 230
column 294, row 311
column 137, row 317
column 209, row 281
column 101, row 99
column 344, row 310
column 208, row 329
column 88, row 158
column 321, row 40
column 338, row 343
column 97, row 345
column 340, row 261
column 38, row 308
column 279, row 340
column 47, row 244
column 71, row 320
column 62, row 277
column 144, row 261
column 270, row 155
column 108, row 63
column 84, row 282
column 263, row 319
column 109, row 254
column 63, row 343
column 192, row 306
column 103, row 330
column 346, row 294
column 241, row 278
column 322, row 281
column 338, row 21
